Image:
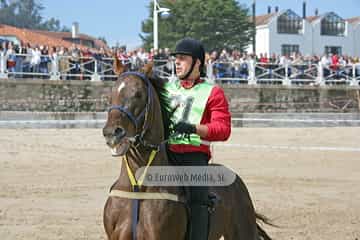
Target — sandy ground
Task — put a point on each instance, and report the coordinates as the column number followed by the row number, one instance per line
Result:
column 53, row 183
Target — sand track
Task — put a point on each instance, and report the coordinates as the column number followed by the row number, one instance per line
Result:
column 53, row 183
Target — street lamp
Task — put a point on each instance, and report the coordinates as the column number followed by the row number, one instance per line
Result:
column 157, row 10
column 254, row 27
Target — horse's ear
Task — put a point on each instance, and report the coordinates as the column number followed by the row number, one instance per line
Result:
column 148, row 69
column 118, row 67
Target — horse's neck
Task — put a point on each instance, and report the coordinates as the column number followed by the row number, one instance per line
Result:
column 155, row 132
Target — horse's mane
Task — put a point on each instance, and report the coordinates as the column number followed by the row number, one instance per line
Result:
column 166, row 110
column 159, row 85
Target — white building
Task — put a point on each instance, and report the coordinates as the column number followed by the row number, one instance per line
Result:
column 286, row 32
column 355, row 23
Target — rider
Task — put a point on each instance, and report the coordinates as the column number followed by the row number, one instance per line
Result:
column 202, row 116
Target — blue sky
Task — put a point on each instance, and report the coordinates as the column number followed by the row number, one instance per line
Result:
column 120, row 20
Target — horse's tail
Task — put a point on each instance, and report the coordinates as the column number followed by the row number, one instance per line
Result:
column 262, row 234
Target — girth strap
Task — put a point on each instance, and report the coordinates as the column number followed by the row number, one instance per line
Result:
column 135, row 214
column 146, row 195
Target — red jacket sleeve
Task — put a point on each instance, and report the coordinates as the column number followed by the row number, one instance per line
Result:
column 217, row 116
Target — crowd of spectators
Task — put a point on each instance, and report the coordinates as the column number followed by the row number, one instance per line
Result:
column 235, row 64
column 28, row 60
column 25, row 60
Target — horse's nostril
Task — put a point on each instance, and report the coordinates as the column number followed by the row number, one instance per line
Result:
column 119, row 132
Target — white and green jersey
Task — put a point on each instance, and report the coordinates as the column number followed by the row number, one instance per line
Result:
column 190, row 105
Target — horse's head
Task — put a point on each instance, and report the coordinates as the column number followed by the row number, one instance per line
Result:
column 134, row 106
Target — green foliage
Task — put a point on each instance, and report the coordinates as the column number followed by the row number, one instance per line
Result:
column 217, row 23
column 27, row 14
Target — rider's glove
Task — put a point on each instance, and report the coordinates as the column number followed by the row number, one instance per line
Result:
column 185, row 128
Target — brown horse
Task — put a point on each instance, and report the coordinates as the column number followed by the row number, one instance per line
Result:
column 138, row 122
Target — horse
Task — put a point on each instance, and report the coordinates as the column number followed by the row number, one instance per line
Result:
column 137, row 124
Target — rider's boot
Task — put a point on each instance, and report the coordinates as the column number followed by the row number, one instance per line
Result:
column 199, row 213
column 199, row 222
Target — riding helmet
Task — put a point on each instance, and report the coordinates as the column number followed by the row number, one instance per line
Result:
column 191, row 47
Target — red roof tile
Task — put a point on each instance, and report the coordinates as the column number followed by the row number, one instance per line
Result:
column 312, row 18
column 263, row 19
column 38, row 37
column 354, row 20
column 98, row 43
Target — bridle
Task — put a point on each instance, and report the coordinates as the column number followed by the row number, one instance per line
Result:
column 135, row 120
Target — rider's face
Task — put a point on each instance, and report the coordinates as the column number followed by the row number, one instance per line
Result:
column 183, row 65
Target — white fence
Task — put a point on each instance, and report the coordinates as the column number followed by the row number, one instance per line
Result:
column 246, row 72
column 250, row 72
column 58, row 67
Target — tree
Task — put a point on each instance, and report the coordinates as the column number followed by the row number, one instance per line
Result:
column 218, row 24
column 26, row 14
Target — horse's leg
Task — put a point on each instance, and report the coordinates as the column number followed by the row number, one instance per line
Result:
column 162, row 220
column 246, row 227
column 116, row 219
column 120, row 233
column 107, row 219
column 240, row 221
column 244, row 217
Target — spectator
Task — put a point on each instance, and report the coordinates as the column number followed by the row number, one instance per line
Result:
column 35, row 59
column 334, row 62
column 44, row 60
column 54, row 61
column 74, row 61
column 11, row 58
column 2, row 59
column 27, row 60
column 263, row 59
column 64, row 63
column 224, row 56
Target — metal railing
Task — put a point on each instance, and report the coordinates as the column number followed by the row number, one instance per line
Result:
column 59, row 67
column 249, row 72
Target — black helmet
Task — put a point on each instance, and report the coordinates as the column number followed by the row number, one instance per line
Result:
column 191, row 47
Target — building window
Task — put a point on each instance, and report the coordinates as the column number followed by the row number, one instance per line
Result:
column 289, row 23
column 333, row 50
column 332, row 25
column 288, row 49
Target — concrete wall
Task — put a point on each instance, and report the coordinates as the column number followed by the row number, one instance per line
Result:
column 58, row 96
column 85, row 96
column 292, row 99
